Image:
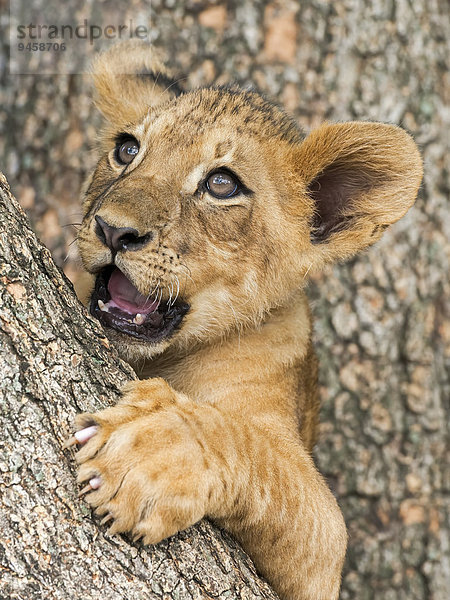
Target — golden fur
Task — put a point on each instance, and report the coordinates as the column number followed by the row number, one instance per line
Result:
column 223, row 422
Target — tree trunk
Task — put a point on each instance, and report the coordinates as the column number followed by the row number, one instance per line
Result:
column 54, row 363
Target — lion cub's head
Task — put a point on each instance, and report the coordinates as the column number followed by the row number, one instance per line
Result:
column 207, row 208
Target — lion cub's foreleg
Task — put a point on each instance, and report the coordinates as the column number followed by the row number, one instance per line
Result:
column 158, row 462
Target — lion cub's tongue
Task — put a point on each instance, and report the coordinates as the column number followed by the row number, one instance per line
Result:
column 126, row 297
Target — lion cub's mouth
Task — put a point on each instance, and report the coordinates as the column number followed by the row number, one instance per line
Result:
column 116, row 303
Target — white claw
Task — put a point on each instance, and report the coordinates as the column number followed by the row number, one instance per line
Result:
column 85, row 434
column 106, row 519
column 102, row 306
column 95, row 482
column 139, row 319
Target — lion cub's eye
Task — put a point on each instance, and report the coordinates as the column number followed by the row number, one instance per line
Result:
column 222, row 184
column 126, row 150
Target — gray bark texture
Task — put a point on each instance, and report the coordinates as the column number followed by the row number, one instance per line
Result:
column 382, row 319
column 55, row 362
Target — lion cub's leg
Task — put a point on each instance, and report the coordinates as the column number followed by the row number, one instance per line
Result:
column 158, row 462
column 287, row 519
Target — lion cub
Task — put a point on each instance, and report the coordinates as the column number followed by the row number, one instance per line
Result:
column 201, row 220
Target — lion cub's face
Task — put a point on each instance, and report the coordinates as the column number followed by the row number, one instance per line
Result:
column 186, row 221
column 206, row 210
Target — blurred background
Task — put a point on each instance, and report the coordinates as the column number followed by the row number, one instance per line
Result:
column 382, row 324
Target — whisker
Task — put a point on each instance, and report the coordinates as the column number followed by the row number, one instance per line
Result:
column 154, row 290
column 184, row 265
column 307, row 271
column 157, row 250
column 159, row 297
column 175, row 82
column 178, row 289
column 74, row 225
column 169, row 303
column 155, row 81
column 188, row 271
column 69, row 250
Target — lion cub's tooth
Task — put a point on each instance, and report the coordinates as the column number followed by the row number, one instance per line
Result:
column 139, row 319
column 102, row 306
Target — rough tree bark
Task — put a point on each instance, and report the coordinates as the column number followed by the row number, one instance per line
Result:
column 55, row 362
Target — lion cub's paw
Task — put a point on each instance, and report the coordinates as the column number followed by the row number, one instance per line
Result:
column 144, row 466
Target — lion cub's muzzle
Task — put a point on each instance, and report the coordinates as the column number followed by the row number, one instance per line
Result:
column 120, row 238
column 116, row 303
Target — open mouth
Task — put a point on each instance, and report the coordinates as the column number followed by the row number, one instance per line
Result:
column 116, row 303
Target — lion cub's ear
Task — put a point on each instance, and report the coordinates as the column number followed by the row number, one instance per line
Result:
column 361, row 177
column 129, row 79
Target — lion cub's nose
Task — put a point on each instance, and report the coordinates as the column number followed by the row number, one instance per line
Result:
column 120, row 238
